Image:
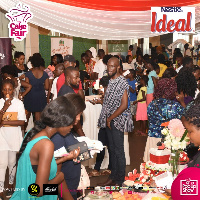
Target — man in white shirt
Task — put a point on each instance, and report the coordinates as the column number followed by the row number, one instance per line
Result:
column 100, row 67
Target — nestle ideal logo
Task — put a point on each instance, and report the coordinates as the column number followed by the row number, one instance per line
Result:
column 171, row 19
column 19, row 17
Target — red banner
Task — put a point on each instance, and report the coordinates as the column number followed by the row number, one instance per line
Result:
column 125, row 5
column 5, row 52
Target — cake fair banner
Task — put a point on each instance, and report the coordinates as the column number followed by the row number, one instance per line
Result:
column 19, row 17
column 5, row 52
column 63, row 46
column 172, row 19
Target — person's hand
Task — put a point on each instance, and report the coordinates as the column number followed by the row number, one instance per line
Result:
column 20, row 96
column 73, row 154
column 134, row 102
column 7, row 103
column 168, row 191
column 108, row 123
column 92, row 102
column 22, row 77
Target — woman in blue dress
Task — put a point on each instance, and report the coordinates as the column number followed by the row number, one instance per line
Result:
column 36, row 163
column 35, row 101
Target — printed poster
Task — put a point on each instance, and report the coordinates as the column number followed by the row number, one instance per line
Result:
column 62, row 46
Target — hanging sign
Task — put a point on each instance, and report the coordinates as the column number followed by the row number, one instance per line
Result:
column 19, row 17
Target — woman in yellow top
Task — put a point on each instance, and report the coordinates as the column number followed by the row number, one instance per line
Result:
column 141, row 113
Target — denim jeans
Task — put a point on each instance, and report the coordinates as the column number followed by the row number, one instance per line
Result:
column 102, row 136
column 116, row 153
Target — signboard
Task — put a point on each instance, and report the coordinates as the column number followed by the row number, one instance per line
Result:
column 171, row 19
column 62, row 46
column 19, row 17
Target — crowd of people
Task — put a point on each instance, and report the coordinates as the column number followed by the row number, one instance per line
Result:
column 143, row 89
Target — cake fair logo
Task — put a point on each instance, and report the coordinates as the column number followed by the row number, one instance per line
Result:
column 171, row 19
column 19, row 17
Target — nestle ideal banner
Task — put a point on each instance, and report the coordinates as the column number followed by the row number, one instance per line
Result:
column 171, row 19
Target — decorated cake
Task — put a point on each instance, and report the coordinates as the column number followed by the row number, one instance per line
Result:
column 103, row 195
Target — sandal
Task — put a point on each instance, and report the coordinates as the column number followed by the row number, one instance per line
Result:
column 106, row 172
column 94, row 173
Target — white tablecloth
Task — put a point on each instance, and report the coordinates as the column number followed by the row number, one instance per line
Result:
column 90, row 119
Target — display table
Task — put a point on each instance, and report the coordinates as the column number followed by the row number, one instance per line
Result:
column 90, row 120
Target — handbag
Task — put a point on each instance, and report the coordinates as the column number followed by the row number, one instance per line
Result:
column 84, row 152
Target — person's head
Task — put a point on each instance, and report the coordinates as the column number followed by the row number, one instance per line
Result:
column 77, row 64
column 166, row 88
column 129, row 59
column 139, row 58
column 19, row 57
column 146, row 57
column 104, row 81
column 144, row 80
column 196, row 71
column 186, row 82
column 85, row 58
column 186, row 46
column 72, row 77
column 159, row 50
column 187, row 61
column 150, row 65
column 59, row 115
column 7, row 71
column 161, row 59
column 113, row 66
column 69, row 60
column 169, row 73
column 59, row 69
column 101, row 53
column 89, row 53
column 57, row 58
column 106, row 58
column 132, row 74
column 37, row 61
column 179, row 58
column 8, row 87
column 131, row 47
column 191, row 121
column 157, row 68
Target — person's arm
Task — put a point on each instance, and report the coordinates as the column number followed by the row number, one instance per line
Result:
column 78, row 129
column 13, row 123
column 154, row 81
column 27, row 79
column 6, row 105
column 140, row 100
column 27, row 87
column 180, row 99
column 72, row 155
column 131, row 89
column 45, row 155
column 80, row 92
column 22, row 77
column 46, row 84
column 120, row 110
column 49, row 90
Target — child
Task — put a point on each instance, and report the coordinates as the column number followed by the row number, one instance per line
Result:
column 59, row 68
column 12, row 117
column 131, row 81
column 152, row 80
column 141, row 114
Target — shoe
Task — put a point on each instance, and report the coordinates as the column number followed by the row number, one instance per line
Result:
column 94, row 173
column 105, row 172
column 107, row 183
column 9, row 193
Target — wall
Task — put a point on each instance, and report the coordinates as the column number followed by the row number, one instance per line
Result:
column 155, row 41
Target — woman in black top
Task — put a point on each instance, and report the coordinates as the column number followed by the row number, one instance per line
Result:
column 19, row 67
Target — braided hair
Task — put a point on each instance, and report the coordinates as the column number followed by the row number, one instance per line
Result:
column 60, row 112
column 192, row 115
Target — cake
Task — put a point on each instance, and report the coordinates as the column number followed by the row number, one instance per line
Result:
column 158, row 159
column 103, row 195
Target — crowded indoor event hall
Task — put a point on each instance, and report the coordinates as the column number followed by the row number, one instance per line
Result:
column 100, row 100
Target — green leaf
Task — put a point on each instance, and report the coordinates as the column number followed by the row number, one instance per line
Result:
column 184, row 135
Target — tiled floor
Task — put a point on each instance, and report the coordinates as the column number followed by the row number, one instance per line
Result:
column 136, row 150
